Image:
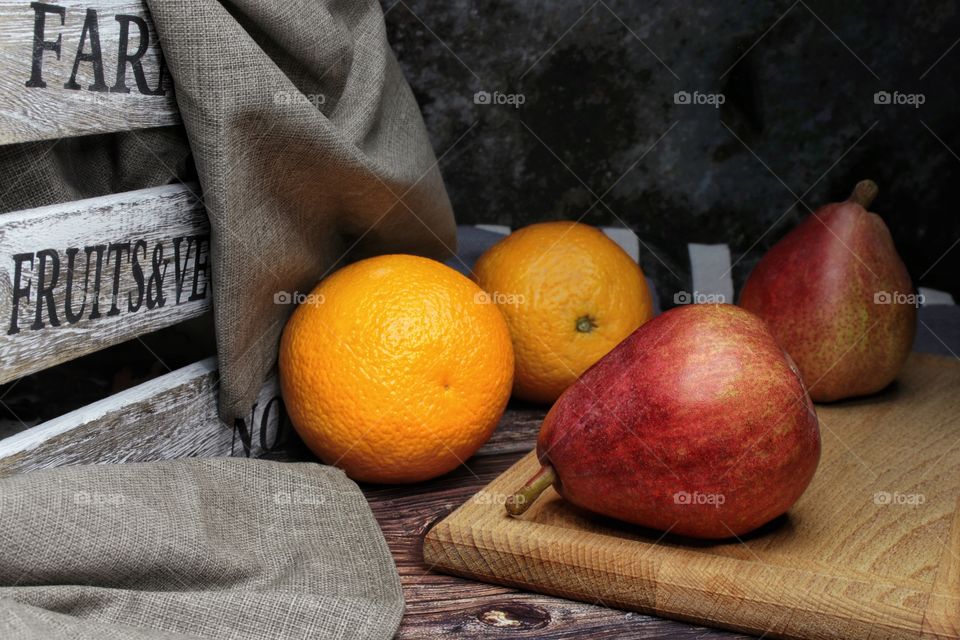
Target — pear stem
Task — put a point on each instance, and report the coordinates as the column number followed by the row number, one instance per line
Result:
column 529, row 492
column 864, row 193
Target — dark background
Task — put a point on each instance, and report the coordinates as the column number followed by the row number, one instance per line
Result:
column 799, row 80
column 599, row 121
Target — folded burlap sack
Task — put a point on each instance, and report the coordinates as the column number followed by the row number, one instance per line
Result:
column 219, row 548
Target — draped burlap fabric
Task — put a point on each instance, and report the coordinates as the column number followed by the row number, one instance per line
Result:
column 308, row 144
column 219, row 548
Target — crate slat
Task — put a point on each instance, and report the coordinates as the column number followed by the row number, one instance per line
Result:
column 148, row 244
column 38, row 100
column 172, row 416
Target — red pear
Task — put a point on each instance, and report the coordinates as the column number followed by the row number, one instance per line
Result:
column 838, row 298
column 697, row 424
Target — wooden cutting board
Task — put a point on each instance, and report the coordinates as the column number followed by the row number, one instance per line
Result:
column 871, row 550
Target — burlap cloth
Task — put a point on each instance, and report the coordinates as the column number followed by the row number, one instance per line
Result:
column 220, row 549
column 305, row 136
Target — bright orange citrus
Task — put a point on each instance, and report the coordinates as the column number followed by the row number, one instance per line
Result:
column 395, row 370
column 569, row 293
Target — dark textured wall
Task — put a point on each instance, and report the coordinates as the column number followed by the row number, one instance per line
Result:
column 600, row 118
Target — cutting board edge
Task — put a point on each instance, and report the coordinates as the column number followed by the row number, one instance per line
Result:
column 946, row 579
column 941, row 618
column 446, row 548
column 477, row 540
column 443, row 552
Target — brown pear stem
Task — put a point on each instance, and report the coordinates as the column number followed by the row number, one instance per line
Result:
column 528, row 493
column 864, row 193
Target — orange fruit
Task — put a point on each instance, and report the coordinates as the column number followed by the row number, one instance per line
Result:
column 569, row 294
column 392, row 370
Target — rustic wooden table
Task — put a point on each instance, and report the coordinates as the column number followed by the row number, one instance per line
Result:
column 439, row 605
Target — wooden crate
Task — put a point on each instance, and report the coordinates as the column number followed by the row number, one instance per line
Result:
column 81, row 276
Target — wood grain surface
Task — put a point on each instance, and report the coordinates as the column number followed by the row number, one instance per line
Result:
column 145, row 246
column 29, row 111
column 440, row 606
column 174, row 416
column 872, row 549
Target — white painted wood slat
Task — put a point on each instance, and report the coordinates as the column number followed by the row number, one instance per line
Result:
column 935, row 296
column 84, row 275
column 710, row 273
column 495, row 228
column 71, row 68
column 173, row 416
column 627, row 240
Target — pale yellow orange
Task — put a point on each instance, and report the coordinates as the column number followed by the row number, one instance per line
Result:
column 569, row 294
